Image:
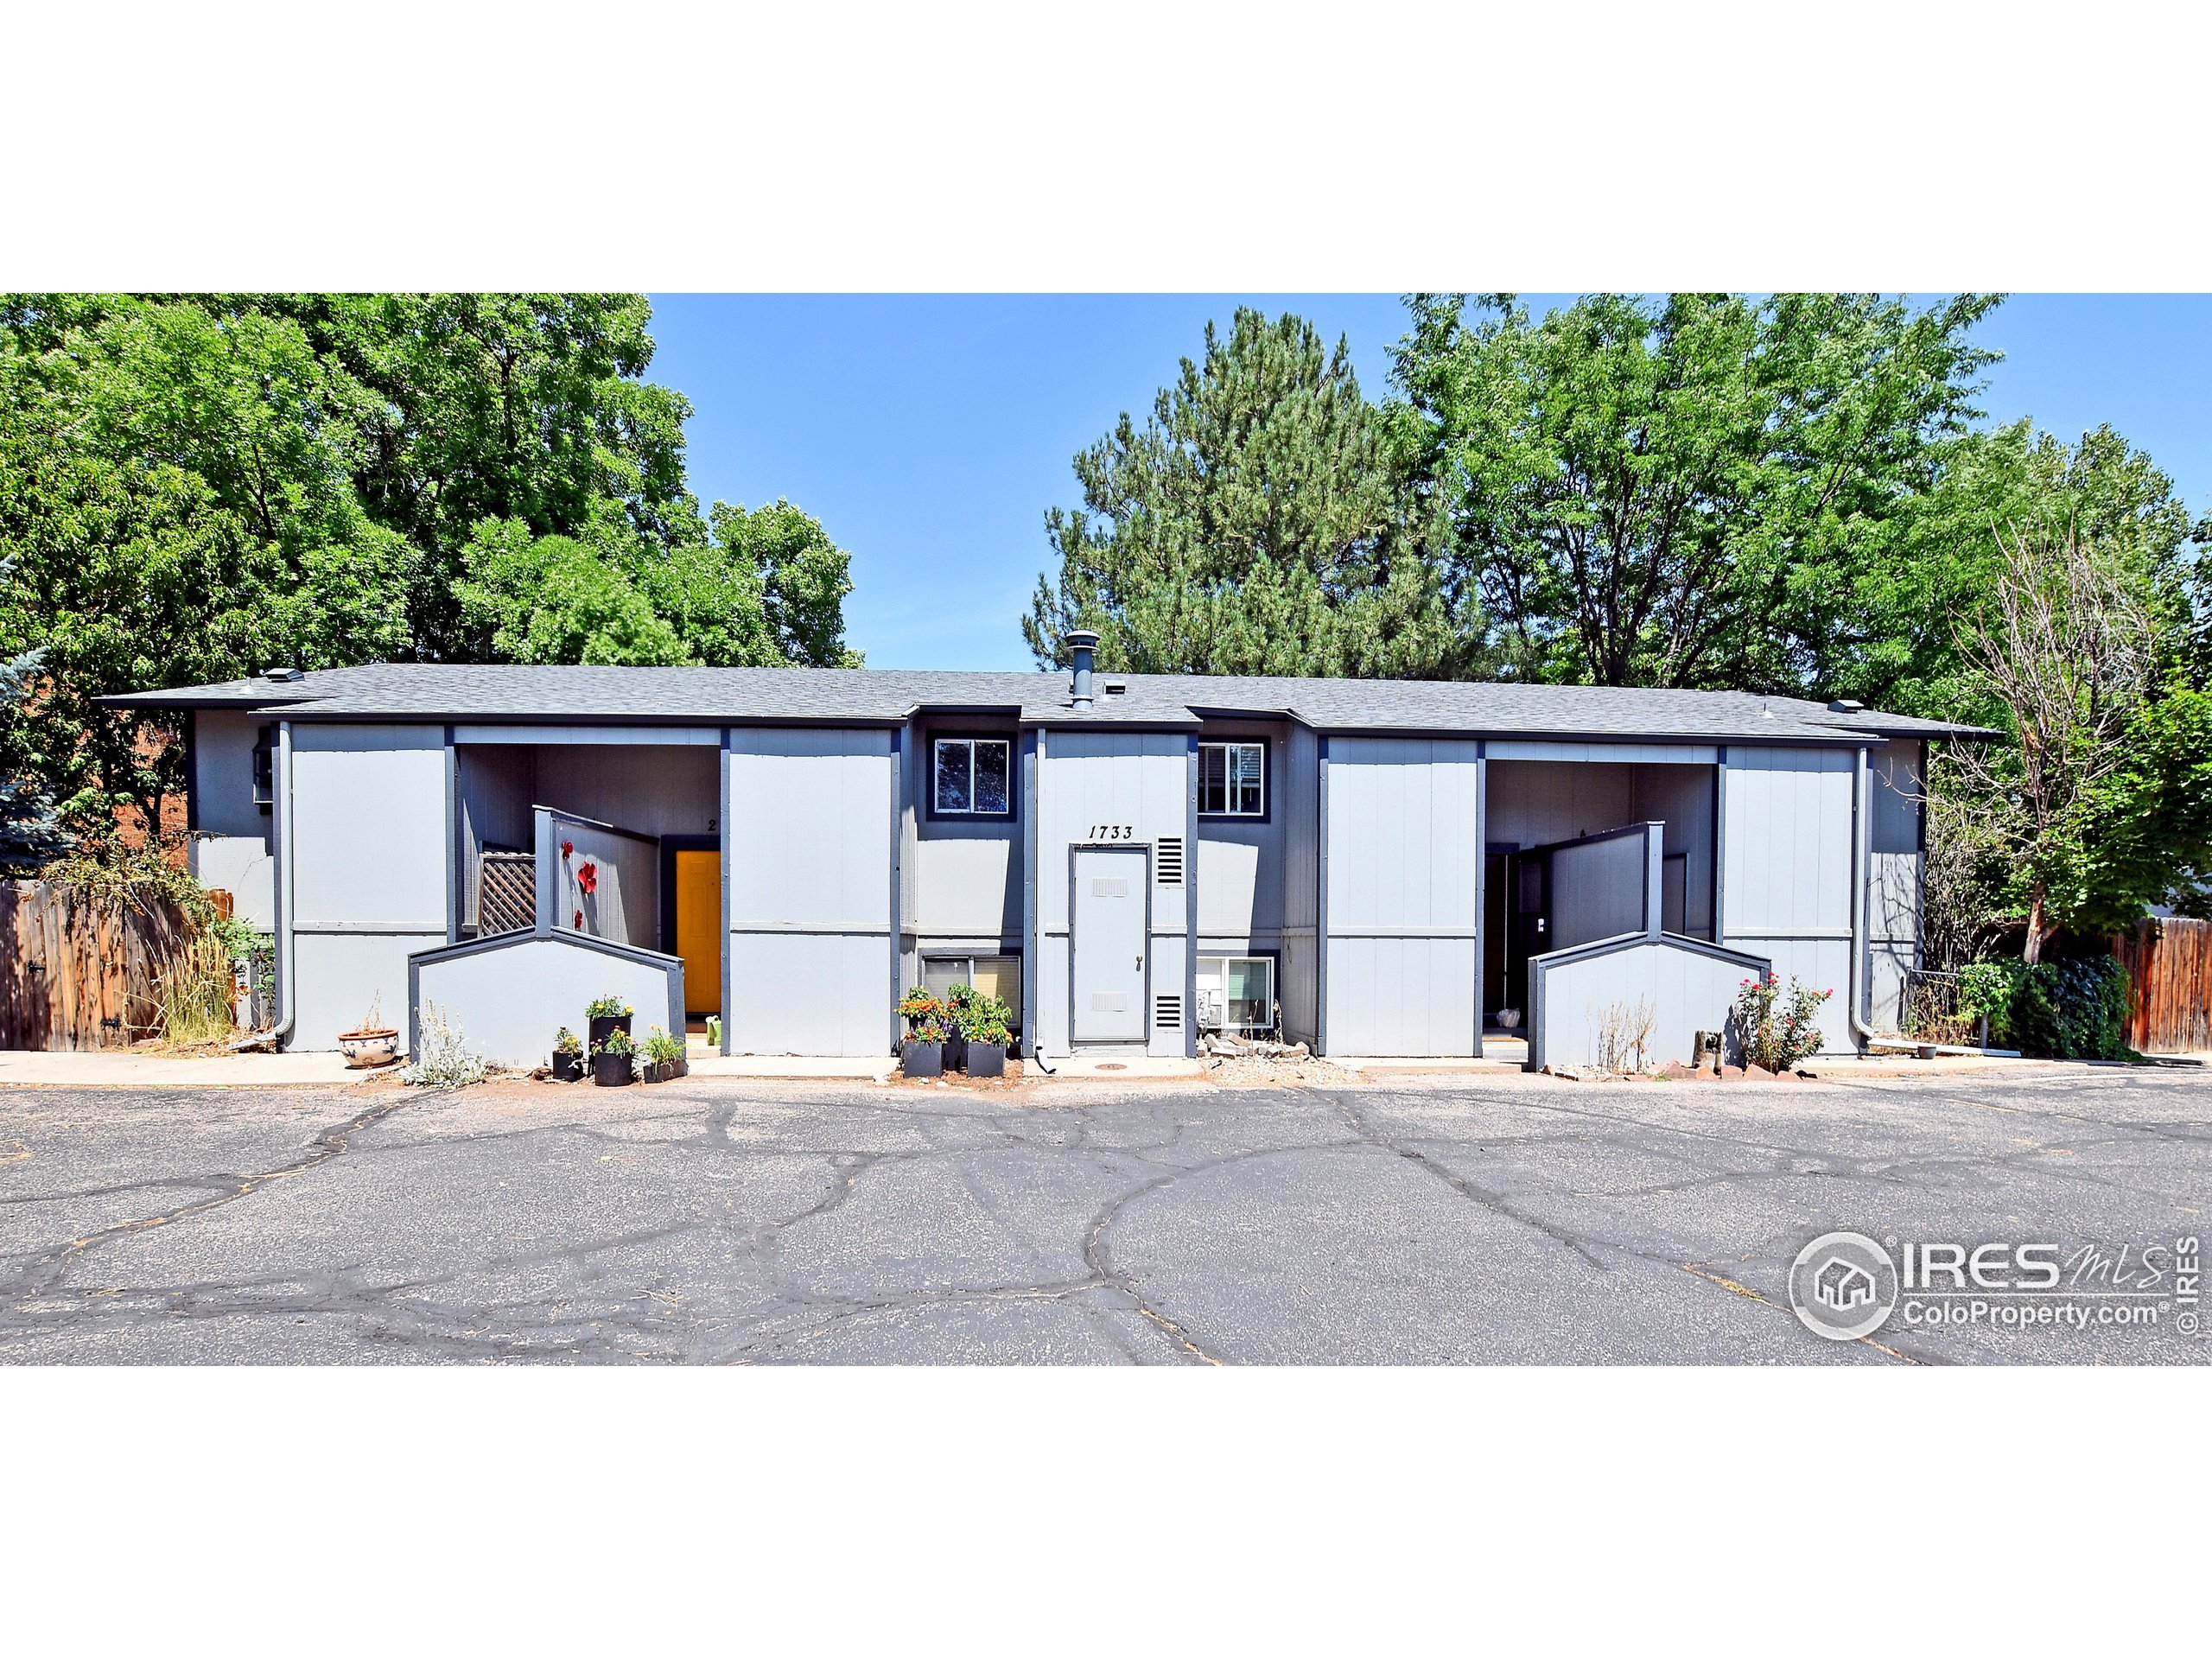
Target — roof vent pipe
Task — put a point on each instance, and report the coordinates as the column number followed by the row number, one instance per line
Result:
column 1082, row 643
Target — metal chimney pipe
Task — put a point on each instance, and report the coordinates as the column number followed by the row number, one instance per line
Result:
column 1081, row 642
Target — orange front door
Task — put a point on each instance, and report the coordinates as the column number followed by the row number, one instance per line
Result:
column 699, row 927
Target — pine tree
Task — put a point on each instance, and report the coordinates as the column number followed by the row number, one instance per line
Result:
column 1262, row 522
column 29, row 836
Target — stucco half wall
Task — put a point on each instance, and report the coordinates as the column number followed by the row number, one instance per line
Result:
column 510, row 995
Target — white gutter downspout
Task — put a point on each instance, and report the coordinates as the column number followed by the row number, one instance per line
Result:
column 288, row 1003
column 1860, row 946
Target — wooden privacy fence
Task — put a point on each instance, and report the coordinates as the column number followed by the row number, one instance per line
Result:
column 2168, row 962
column 79, row 973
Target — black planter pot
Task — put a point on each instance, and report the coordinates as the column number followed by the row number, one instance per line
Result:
column 986, row 1059
column 567, row 1067
column 612, row 1071
column 956, row 1052
column 921, row 1059
column 603, row 1023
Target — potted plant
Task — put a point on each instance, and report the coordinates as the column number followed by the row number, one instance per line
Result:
column 920, row 1008
column 985, row 1037
column 663, row 1057
column 614, row 1062
column 568, row 1055
column 374, row 1043
column 607, row 1013
column 922, row 1055
column 959, row 998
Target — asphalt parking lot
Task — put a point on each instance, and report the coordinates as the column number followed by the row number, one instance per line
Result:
column 715, row 1221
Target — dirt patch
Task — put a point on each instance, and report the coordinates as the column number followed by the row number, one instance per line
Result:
column 1256, row 1071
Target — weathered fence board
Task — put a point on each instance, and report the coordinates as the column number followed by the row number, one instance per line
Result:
column 2168, row 962
column 77, row 974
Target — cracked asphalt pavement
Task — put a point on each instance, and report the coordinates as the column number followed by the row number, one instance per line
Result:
column 710, row 1220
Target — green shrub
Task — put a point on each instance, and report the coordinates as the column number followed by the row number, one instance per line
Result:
column 2055, row 1010
column 1777, row 1028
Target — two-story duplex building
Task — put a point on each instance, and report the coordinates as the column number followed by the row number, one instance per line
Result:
column 1373, row 868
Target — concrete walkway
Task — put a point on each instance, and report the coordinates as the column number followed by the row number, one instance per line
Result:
column 117, row 1068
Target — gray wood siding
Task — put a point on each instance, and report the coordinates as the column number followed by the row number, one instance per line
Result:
column 655, row 790
column 231, row 840
column 1299, row 802
column 1598, row 890
column 1402, row 871
column 1894, row 877
column 1091, row 779
column 809, row 826
column 497, row 786
column 1560, row 799
column 1786, row 870
column 511, row 1000
column 1685, row 991
column 369, row 870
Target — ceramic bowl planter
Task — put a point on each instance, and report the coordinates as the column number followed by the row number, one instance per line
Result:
column 368, row 1048
column 920, row 1059
column 613, row 1070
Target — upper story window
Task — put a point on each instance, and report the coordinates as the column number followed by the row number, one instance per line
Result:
column 1233, row 780
column 972, row 774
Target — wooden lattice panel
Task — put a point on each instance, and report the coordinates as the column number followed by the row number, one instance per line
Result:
column 507, row 892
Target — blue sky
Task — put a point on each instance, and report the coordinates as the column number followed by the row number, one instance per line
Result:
column 929, row 433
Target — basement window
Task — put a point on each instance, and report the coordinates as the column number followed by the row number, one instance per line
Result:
column 999, row 977
column 972, row 775
column 1232, row 780
column 1236, row 994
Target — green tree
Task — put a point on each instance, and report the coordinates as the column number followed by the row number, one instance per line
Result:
column 529, row 407
column 174, row 506
column 766, row 590
column 194, row 487
column 1894, row 639
column 1671, row 492
column 1261, row 521
column 30, row 835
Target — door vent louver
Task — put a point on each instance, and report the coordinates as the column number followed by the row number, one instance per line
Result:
column 1168, row 855
column 1167, row 1012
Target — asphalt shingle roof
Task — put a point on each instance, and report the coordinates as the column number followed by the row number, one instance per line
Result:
column 716, row 695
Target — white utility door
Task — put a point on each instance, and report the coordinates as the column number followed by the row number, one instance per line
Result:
column 1109, row 940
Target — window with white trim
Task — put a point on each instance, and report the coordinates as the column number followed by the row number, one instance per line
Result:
column 972, row 774
column 1232, row 780
column 1236, row 992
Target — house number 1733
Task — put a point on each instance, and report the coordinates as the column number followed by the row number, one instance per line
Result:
column 1113, row 832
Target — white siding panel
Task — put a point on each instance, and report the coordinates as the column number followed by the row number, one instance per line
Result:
column 338, row 975
column 1597, row 890
column 370, row 812
column 1401, row 996
column 1401, row 871
column 510, row 1001
column 1686, row 992
column 1787, row 842
column 1099, row 780
column 809, row 825
column 821, row 993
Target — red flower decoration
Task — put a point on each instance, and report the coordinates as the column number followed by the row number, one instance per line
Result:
column 588, row 876
column 580, row 918
column 567, row 847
